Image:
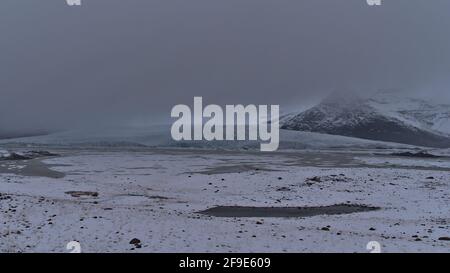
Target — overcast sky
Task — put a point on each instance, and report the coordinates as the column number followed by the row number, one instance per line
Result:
column 116, row 60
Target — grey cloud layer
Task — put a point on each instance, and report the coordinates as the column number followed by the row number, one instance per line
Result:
column 111, row 60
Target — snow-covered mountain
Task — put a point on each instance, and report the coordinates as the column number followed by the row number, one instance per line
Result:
column 382, row 117
column 424, row 114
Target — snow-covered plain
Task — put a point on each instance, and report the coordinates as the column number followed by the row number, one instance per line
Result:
column 104, row 198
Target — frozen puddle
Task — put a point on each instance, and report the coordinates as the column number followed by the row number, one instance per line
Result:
column 237, row 211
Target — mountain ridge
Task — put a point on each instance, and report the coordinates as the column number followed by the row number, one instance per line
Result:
column 394, row 120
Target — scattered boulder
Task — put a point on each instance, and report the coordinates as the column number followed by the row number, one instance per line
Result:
column 82, row 193
column 283, row 189
column 43, row 153
column 328, row 178
column 315, row 179
column 136, row 242
column 311, row 180
column 16, row 156
column 421, row 154
column 25, row 155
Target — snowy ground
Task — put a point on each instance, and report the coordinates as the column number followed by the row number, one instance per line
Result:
column 104, row 199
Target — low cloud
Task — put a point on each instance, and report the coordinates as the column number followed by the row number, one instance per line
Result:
column 112, row 61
